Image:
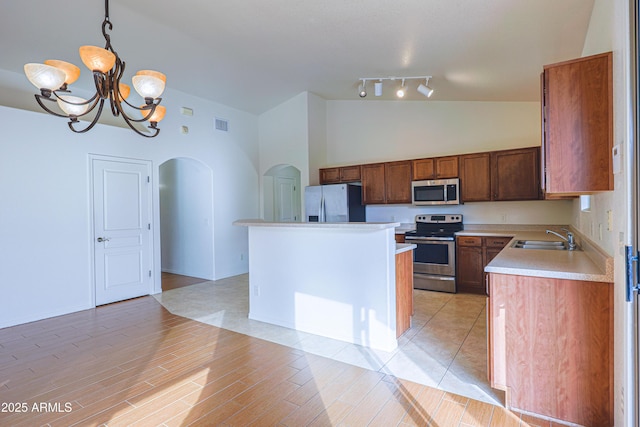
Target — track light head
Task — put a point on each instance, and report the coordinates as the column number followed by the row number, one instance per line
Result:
column 401, row 90
column 377, row 86
column 425, row 89
column 363, row 89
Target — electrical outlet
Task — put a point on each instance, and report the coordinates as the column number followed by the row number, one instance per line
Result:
column 256, row 291
column 609, row 220
column 503, row 218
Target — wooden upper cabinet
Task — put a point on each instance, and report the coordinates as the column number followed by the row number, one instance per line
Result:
column 330, row 176
column 423, row 169
column 500, row 175
column 373, row 184
column 398, row 182
column 350, row 173
column 446, row 167
column 475, row 177
column 435, row 168
column 340, row 174
column 577, row 133
column 515, row 174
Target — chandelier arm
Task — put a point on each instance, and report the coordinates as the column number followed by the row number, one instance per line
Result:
column 130, row 124
column 39, row 99
column 93, row 122
column 144, row 119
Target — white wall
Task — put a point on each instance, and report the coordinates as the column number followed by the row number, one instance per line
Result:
column 366, row 131
column 609, row 31
column 45, row 228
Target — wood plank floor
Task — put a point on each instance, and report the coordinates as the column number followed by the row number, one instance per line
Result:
column 135, row 363
column 174, row 281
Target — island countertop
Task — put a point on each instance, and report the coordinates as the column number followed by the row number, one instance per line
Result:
column 350, row 225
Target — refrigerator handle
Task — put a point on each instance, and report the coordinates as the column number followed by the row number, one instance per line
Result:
column 321, row 210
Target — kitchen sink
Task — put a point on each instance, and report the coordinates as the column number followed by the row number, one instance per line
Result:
column 540, row 244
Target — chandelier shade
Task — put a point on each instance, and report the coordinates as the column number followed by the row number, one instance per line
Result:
column 156, row 116
column 73, row 105
column 72, row 72
column 53, row 77
column 44, row 76
column 97, row 59
column 148, row 86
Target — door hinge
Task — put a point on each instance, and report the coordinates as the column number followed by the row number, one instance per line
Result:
column 149, row 273
column 631, row 257
column 149, row 226
column 148, row 179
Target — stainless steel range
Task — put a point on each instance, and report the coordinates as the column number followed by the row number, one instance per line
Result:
column 434, row 259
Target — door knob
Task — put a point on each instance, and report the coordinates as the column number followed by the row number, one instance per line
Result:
column 103, row 239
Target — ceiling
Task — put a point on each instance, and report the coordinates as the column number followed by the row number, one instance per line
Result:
column 255, row 54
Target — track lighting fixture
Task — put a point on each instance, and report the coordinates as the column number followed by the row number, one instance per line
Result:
column 424, row 89
column 363, row 89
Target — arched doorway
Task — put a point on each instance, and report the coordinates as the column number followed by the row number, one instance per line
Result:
column 282, row 202
column 186, row 218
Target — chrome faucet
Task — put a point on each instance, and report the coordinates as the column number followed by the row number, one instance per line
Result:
column 569, row 239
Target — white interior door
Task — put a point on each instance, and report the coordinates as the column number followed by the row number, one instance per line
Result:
column 122, row 229
column 285, row 199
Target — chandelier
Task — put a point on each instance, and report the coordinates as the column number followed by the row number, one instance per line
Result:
column 54, row 76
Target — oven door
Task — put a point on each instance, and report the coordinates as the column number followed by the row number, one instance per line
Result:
column 434, row 256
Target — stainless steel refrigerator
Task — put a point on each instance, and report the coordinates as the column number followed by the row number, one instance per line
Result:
column 334, row 203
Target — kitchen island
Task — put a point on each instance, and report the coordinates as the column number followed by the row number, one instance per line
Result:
column 336, row 280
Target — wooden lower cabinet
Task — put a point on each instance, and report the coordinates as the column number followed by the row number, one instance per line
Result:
column 550, row 346
column 404, row 291
column 473, row 253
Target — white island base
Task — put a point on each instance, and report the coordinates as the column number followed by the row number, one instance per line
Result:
column 336, row 280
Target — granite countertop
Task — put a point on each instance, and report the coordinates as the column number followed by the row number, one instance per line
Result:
column 590, row 263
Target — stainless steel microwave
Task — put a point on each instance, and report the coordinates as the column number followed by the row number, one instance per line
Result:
column 436, row 192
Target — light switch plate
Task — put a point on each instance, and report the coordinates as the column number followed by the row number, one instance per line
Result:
column 617, row 159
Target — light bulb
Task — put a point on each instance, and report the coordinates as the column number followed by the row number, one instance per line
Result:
column 400, row 92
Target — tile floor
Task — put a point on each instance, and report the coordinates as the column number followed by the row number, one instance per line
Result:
column 445, row 348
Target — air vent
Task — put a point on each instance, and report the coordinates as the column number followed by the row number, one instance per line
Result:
column 222, row 125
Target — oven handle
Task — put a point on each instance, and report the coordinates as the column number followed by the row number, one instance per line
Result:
column 428, row 239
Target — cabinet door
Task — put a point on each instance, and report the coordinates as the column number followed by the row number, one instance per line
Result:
column 398, row 182
column 470, row 269
column 446, row 167
column 350, row 173
column 423, row 169
column 578, row 125
column 373, row 184
column 515, row 174
column 330, row 176
column 475, row 177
